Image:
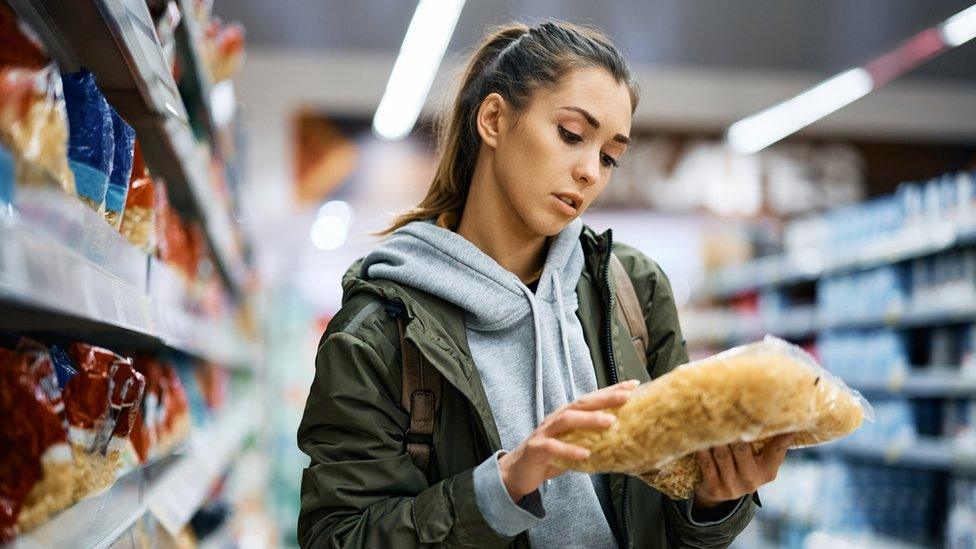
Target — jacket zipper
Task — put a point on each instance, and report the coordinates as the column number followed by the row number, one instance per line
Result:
column 614, row 377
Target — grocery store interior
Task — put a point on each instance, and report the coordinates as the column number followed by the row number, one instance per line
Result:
column 184, row 183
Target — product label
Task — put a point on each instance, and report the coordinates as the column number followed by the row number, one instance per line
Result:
column 90, row 183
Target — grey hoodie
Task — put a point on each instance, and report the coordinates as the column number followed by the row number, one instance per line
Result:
column 530, row 352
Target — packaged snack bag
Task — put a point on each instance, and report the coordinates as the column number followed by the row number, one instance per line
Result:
column 34, row 127
column 118, row 181
column 100, row 401
column 91, row 146
column 35, row 469
column 139, row 218
column 749, row 393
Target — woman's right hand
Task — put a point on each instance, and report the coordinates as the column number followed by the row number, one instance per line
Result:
column 530, row 464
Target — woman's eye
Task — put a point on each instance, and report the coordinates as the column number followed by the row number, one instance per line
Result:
column 569, row 136
column 608, row 161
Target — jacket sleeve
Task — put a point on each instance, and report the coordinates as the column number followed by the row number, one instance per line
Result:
column 361, row 489
column 667, row 350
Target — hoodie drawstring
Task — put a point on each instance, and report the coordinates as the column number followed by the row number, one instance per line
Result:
column 565, row 337
column 540, row 411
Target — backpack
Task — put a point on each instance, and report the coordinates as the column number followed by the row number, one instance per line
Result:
column 421, row 386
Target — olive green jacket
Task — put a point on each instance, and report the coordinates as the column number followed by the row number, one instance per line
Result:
column 361, row 488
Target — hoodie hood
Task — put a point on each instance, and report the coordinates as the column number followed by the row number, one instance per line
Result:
column 445, row 264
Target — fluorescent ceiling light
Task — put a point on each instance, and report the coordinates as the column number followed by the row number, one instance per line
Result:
column 761, row 130
column 960, row 28
column 413, row 73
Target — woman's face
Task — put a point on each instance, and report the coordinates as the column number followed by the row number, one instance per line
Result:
column 562, row 148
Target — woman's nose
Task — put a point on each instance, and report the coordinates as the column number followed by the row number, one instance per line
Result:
column 587, row 170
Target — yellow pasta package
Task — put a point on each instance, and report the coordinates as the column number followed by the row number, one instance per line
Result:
column 749, row 393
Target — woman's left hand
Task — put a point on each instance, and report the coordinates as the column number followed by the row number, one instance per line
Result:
column 730, row 472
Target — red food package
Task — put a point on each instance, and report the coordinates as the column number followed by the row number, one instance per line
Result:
column 105, row 400
column 20, row 464
column 145, row 430
column 127, row 389
column 35, row 461
column 86, row 395
column 17, row 49
column 176, row 416
column 100, row 402
column 138, row 219
column 173, row 242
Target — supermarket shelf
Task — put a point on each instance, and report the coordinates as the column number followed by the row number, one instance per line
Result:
column 63, row 269
column 172, row 489
column 940, row 383
column 806, row 265
column 909, row 317
column 924, row 452
column 717, row 326
column 116, row 40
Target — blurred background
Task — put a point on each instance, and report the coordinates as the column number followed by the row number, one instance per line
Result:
column 804, row 169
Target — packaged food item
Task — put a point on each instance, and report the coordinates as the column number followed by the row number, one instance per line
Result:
column 118, row 181
column 18, row 48
column 139, row 218
column 173, row 240
column 176, row 419
column 101, row 401
column 33, row 126
column 145, row 431
column 227, row 43
column 91, row 147
column 750, row 393
column 35, row 469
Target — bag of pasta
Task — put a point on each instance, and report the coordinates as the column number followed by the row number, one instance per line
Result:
column 750, row 393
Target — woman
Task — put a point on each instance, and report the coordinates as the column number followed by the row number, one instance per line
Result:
column 506, row 295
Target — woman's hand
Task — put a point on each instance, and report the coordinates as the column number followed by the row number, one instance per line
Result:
column 730, row 472
column 529, row 465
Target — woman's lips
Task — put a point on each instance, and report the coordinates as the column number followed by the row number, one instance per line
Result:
column 563, row 207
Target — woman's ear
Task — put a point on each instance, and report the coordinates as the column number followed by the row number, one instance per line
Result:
column 490, row 118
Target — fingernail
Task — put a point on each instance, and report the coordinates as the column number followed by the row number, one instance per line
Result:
column 584, row 454
column 632, row 382
column 742, row 447
column 608, row 418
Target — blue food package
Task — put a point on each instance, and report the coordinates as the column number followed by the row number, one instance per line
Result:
column 118, row 181
column 91, row 141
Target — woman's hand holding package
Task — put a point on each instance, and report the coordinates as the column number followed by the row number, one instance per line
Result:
column 732, row 471
column 530, row 464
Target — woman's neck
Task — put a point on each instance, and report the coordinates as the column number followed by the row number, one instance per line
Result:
column 491, row 223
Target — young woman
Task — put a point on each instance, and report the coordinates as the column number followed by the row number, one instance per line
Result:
column 506, row 295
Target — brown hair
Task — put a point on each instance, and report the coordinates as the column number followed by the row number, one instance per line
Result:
column 514, row 61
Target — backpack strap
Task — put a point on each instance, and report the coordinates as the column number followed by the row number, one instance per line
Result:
column 420, row 396
column 629, row 306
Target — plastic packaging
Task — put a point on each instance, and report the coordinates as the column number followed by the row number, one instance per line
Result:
column 139, row 219
column 100, row 404
column 33, row 126
column 173, row 238
column 748, row 393
column 225, row 49
column 118, row 181
column 35, row 461
column 91, row 147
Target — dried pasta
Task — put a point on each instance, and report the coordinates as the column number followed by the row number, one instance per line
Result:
column 749, row 393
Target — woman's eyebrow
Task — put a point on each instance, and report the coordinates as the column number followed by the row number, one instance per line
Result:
column 596, row 123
